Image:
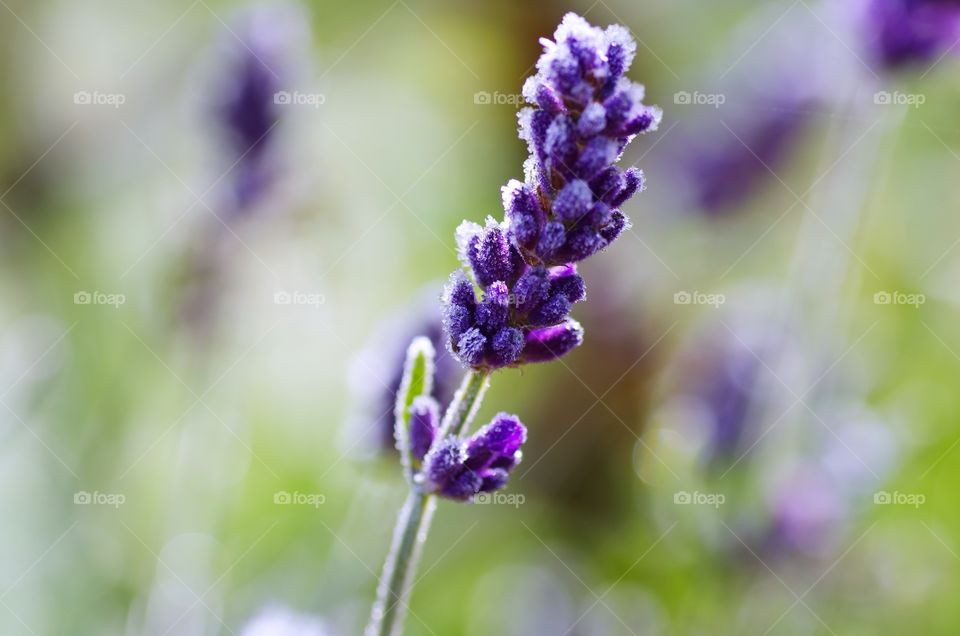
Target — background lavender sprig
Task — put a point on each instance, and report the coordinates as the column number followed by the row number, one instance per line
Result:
column 584, row 112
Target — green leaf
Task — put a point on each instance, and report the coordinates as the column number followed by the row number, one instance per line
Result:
column 418, row 370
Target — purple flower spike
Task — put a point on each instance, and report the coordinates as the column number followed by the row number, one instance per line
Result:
column 424, row 421
column 550, row 343
column 583, row 113
column 573, row 148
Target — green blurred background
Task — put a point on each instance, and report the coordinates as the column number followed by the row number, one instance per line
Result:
column 147, row 444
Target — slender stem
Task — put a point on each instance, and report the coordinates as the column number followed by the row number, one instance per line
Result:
column 413, row 522
column 465, row 403
column 410, row 533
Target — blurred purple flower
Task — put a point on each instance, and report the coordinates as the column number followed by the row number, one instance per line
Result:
column 585, row 113
column 907, row 32
column 376, row 373
column 722, row 169
column 256, row 67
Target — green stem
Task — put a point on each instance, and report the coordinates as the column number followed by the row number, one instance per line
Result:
column 413, row 522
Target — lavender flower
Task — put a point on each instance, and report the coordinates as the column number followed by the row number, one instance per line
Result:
column 584, row 114
column 905, row 32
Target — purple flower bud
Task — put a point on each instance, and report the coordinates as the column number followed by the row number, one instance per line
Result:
column 494, row 479
column 550, row 343
column 607, row 185
column 641, row 123
column 523, row 212
column 444, row 460
column 507, row 344
column 583, row 241
column 561, row 145
column 501, row 438
column 424, row 421
column 565, row 280
column 532, row 289
column 493, row 311
column 490, row 253
column 471, row 347
column 632, row 183
column 551, row 312
column 548, row 100
column 620, row 51
column 592, row 121
column 618, row 223
column 462, row 486
column 573, row 201
column 551, row 240
column 459, row 303
column 598, row 153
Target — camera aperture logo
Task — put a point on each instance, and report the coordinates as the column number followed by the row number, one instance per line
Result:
column 98, row 298
column 898, row 98
column 309, row 299
column 696, row 98
column 899, row 298
column 499, row 498
column 698, row 298
column 97, row 498
column 96, row 98
column 296, row 98
column 697, row 498
column 897, row 498
column 496, row 98
column 297, row 498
